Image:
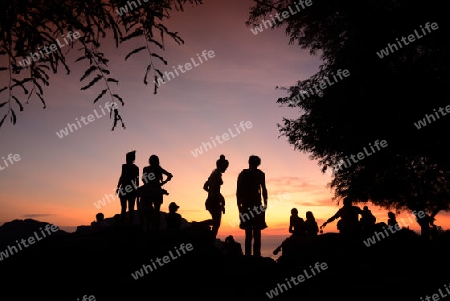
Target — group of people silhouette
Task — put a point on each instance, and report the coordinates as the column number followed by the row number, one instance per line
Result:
column 251, row 194
column 353, row 221
column 149, row 195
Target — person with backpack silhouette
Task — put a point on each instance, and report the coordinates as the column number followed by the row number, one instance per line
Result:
column 127, row 185
column 251, row 185
column 215, row 202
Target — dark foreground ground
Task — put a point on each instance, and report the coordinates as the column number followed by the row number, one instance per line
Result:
column 67, row 266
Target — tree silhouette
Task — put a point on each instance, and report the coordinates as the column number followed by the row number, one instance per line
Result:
column 27, row 27
column 381, row 99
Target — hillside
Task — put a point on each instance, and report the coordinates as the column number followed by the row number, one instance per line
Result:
column 67, row 266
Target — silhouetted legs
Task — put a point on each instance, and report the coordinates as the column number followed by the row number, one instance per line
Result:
column 156, row 215
column 255, row 236
column 216, row 217
column 145, row 211
column 129, row 199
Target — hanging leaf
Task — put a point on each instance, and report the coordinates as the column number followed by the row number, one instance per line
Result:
column 112, row 80
column 3, row 103
column 13, row 116
column 3, row 119
column 100, row 95
column 134, row 51
column 18, row 102
column 92, row 82
column 42, row 100
column 160, row 57
column 88, row 72
column 119, row 98
column 149, row 67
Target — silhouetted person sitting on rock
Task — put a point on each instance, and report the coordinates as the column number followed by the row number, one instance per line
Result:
column 127, row 185
column 349, row 218
column 251, row 184
column 232, row 248
column 152, row 176
column 392, row 221
column 367, row 221
column 99, row 223
column 173, row 219
column 297, row 225
column 311, row 225
column 215, row 203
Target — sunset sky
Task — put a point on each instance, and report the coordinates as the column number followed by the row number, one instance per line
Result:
column 58, row 180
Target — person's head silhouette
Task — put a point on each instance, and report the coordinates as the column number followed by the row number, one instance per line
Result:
column 254, row 161
column 347, row 201
column 391, row 215
column 173, row 207
column 222, row 163
column 131, row 157
column 294, row 211
column 100, row 217
column 309, row 215
column 153, row 160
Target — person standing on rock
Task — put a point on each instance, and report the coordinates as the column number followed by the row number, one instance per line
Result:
column 215, row 203
column 251, row 184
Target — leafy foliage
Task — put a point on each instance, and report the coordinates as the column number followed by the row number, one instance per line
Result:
column 26, row 26
column 381, row 99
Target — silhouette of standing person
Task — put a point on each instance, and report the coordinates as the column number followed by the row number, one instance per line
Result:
column 251, row 184
column 152, row 176
column 127, row 185
column 349, row 214
column 215, row 203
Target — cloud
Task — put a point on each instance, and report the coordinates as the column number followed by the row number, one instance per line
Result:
column 294, row 184
column 36, row 215
column 320, row 203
